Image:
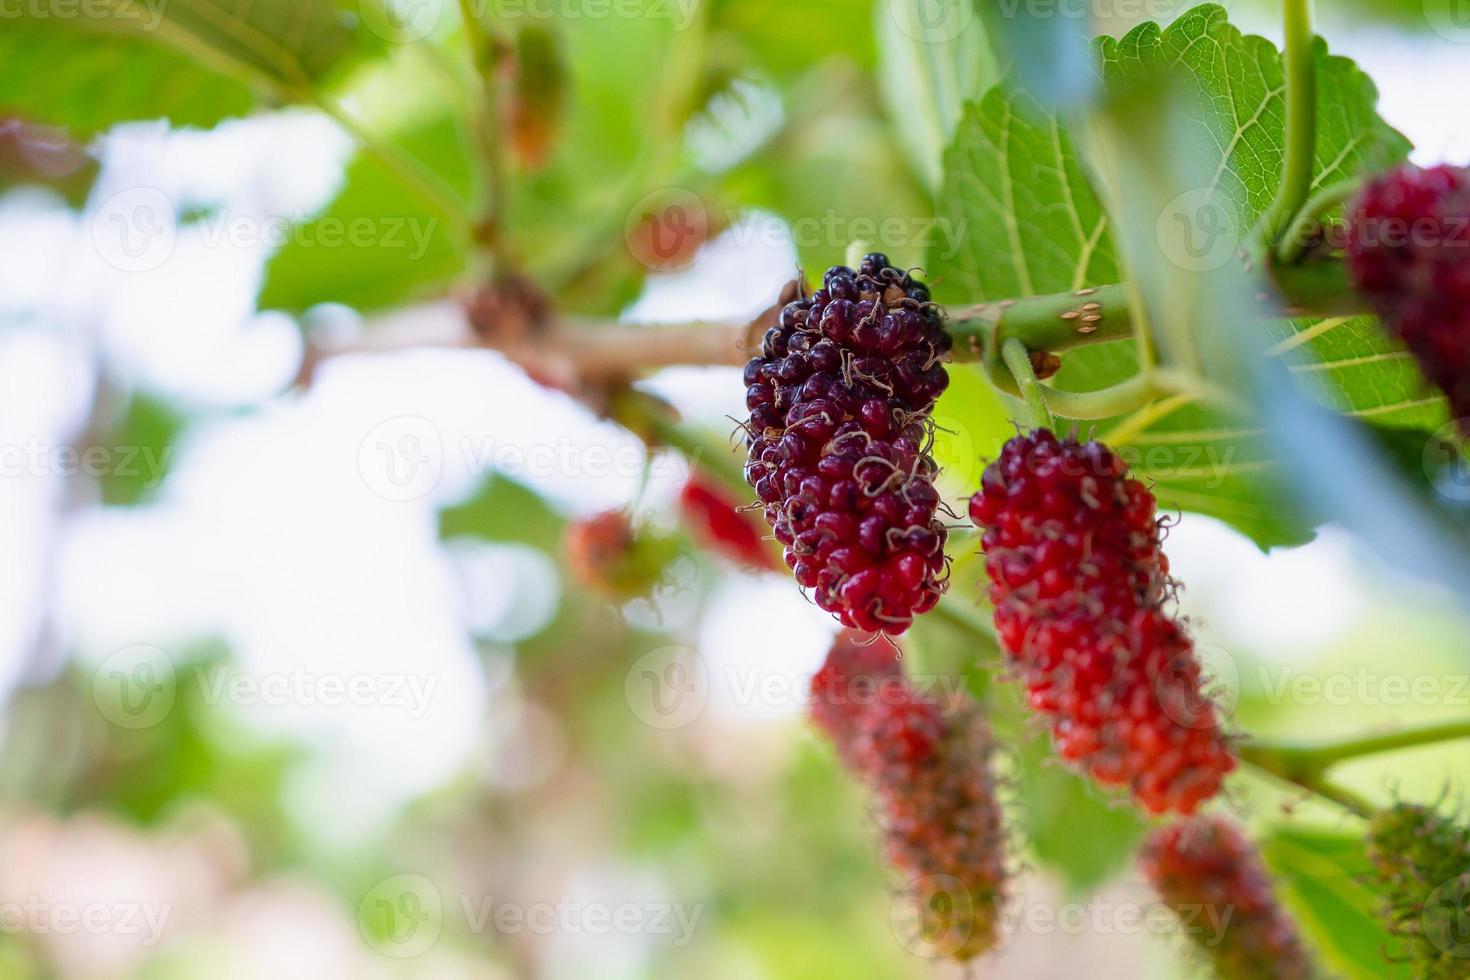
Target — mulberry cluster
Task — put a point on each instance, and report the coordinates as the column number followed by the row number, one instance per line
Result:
column 839, row 439
column 1409, row 254
column 1079, row 578
column 1211, row 875
column 719, row 524
column 1421, row 863
column 928, row 767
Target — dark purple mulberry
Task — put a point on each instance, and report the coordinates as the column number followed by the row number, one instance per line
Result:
column 1409, row 254
column 840, row 433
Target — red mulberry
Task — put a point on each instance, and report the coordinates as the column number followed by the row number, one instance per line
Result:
column 1210, row 874
column 1409, row 254
column 606, row 553
column 1421, row 864
column 928, row 766
column 1079, row 580
column 720, row 525
column 839, row 429
column 857, row 673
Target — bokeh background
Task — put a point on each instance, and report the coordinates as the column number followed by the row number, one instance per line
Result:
column 296, row 681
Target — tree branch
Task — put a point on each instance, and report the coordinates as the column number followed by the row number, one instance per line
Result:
column 572, row 349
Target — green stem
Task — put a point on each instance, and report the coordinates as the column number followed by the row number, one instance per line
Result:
column 1306, row 764
column 1105, row 403
column 1013, row 352
column 1301, row 232
column 490, row 133
column 1288, row 768
column 1301, row 120
column 1323, row 755
column 1065, row 321
column 657, row 424
column 1043, row 323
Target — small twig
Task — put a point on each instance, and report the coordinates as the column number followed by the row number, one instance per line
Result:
column 1018, row 360
column 1299, row 234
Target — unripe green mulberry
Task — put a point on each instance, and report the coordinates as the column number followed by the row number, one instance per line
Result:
column 1421, row 862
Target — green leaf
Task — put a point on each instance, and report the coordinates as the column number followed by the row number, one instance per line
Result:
column 504, row 510
column 377, row 244
column 1069, row 824
column 191, row 62
column 778, row 36
column 1033, row 224
column 928, row 71
column 835, row 181
column 1320, row 876
column 138, row 449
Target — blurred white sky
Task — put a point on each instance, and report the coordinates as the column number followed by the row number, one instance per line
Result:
column 287, row 530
